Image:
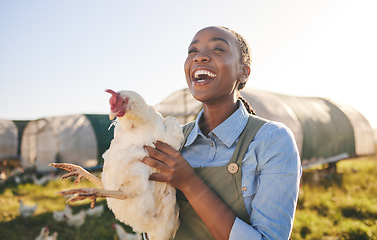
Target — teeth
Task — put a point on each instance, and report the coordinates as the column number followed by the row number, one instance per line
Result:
column 204, row 72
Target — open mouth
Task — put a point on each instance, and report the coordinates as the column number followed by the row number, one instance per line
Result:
column 201, row 76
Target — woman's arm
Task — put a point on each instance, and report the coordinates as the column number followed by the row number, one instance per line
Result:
column 275, row 192
column 175, row 170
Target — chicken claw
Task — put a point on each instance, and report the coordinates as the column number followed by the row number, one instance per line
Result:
column 78, row 171
column 73, row 169
column 82, row 194
column 92, row 194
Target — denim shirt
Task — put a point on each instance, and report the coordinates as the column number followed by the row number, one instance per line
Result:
column 271, row 172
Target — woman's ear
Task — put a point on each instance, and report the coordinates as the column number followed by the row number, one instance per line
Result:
column 244, row 73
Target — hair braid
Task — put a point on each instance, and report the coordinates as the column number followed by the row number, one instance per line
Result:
column 247, row 105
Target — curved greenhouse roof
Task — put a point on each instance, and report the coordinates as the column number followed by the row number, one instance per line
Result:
column 324, row 131
column 79, row 139
column 8, row 139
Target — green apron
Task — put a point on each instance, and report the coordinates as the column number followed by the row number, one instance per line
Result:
column 224, row 180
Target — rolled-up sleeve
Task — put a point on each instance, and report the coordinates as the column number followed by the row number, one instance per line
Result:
column 277, row 179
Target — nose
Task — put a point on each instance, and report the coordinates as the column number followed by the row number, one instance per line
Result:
column 202, row 57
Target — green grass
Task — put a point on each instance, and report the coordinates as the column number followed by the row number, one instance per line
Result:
column 341, row 205
column 13, row 226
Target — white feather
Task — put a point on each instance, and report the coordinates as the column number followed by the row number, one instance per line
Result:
column 152, row 206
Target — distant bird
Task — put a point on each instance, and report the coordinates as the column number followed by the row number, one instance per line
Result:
column 26, row 211
column 96, row 211
column 123, row 235
column 44, row 234
column 145, row 205
column 16, row 175
column 43, row 180
column 17, row 171
column 75, row 220
column 59, row 216
column 17, row 180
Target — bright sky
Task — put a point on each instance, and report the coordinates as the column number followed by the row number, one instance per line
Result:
column 58, row 57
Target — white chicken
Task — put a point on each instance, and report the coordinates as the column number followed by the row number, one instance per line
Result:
column 26, row 211
column 75, row 220
column 146, row 206
column 96, row 211
column 44, row 234
column 123, row 235
column 43, row 180
column 59, row 216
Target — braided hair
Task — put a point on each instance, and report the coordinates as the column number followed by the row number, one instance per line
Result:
column 245, row 60
column 247, row 105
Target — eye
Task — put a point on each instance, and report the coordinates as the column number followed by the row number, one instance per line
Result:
column 217, row 49
column 192, row 50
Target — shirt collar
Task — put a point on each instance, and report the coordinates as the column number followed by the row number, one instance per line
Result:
column 228, row 131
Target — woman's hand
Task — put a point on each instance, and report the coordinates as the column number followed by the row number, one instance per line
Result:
column 174, row 169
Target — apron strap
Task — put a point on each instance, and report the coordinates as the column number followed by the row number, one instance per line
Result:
column 186, row 129
column 253, row 125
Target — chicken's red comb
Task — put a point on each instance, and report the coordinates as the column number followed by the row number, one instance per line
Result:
column 114, row 98
column 111, row 92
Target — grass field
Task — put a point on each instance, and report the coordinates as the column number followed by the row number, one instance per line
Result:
column 15, row 227
column 341, row 205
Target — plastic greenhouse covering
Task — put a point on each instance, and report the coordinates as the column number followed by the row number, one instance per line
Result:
column 325, row 131
column 8, row 139
column 79, row 139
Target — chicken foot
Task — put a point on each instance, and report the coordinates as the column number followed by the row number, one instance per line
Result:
column 92, row 194
column 75, row 170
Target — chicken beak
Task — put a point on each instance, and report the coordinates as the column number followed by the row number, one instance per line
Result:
column 112, row 115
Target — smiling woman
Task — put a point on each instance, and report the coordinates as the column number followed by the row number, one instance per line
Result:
column 212, row 60
column 233, row 165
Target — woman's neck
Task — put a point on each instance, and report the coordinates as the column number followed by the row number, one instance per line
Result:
column 214, row 115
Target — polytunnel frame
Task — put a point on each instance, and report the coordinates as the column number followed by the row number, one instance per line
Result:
column 8, row 138
column 28, row 161
column 328, row 132
column 169, row 107
column 83, row 127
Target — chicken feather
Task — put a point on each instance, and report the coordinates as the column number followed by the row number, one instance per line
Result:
column 145, row 205
column 153, row 208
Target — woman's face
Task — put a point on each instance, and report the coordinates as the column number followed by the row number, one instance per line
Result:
column 213, row 66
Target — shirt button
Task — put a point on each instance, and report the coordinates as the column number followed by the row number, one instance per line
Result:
column 212, row 144
column 232, row 168
column 244, row 189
